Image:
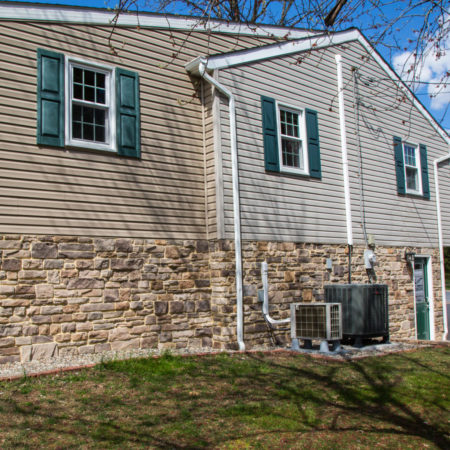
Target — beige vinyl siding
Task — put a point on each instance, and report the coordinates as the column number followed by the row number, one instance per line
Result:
column 295, row 208
column 210, row 162
column 444, row 188
column 50, row 190
column 384, row 112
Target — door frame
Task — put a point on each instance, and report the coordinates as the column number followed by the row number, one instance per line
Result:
column 430, row 295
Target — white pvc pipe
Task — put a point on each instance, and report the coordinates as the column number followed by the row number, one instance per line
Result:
column 348, row 207
column 436, row 162
column 265, row 280
column 236, row 206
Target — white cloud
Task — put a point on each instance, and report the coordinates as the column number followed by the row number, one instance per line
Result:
column 431, row 69
column 440, row 95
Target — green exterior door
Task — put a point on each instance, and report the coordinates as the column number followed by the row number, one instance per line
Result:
column 421, row 298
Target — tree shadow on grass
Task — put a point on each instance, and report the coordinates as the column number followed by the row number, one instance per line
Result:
column 222, row 399
column 380, row 401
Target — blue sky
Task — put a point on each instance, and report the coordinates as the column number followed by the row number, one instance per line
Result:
column 430, row 72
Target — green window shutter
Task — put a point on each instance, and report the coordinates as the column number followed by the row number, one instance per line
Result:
column 269, row 120
column 312, row 132
column 424, row 167
column 399, row 165
column 50, row 98
column 128, row 114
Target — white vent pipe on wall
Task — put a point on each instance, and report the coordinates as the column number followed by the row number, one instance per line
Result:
column 348, row 207
column 236, row 206
column 441, row 243
column 265, row 308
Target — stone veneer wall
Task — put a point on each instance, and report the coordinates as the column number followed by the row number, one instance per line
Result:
column 81, row 295
column 61, row 295
column 297, row 272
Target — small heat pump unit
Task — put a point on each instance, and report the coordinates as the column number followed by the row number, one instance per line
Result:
column 322, row 321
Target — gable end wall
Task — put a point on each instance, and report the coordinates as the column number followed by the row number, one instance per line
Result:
column 302, row 209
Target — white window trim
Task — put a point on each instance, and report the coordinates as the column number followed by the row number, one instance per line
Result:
column 110, row 97
column 419, row 191
column 303, row 138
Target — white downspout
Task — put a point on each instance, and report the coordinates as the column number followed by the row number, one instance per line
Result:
column 436, row 162
column 348, row 207
column 236, row 207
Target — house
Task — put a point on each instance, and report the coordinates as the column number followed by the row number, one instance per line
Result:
column 146, row 172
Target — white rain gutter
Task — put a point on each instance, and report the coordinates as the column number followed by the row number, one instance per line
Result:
column 348, row 207
column 436, row 162
column 236, row 207
column 265, row 308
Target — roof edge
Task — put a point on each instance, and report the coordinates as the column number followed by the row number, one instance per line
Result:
column 13, row 11
column 316, row 42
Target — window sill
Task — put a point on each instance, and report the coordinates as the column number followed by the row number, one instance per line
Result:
column 289, row 174
column 294, row 172
column 415, row 195
column 90, row 146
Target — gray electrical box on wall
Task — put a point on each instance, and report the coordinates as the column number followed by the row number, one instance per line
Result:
column 369, row 259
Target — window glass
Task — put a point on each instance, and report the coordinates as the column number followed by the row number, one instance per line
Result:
column 291, row 139
column 411, row 179
column 88, row 123
column 89, row 104
column 412, row 169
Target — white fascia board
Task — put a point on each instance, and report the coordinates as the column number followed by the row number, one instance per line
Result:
column 442, row 159
column 280, row 49
column 93, row 16
column 315, row 43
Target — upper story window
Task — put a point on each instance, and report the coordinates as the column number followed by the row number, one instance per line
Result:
column 90, row 112
column 87, row 105
column 291, row 139
column 291, row 136
column 412, row 169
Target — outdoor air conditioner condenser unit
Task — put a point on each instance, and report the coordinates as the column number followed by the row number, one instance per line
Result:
column 365, row 309
column 321, row 321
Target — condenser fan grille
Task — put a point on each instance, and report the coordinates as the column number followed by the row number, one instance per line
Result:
column 311, row 322
column 317, row 321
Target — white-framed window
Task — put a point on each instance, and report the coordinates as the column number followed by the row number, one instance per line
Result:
column 411, row 158
column 90, row 105
column 292, row 139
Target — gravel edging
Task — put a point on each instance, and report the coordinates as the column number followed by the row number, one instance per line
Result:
column 12, row 371
column 67, row 363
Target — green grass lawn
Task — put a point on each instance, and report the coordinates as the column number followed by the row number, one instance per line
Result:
column 240, row 401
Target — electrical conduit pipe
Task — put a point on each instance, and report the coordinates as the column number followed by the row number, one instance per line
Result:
column 236, row 206
column 265, row 308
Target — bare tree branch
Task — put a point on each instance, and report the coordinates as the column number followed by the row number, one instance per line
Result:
column 331, row 18
column 417, row 29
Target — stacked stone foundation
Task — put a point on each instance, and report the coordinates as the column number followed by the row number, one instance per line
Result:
column 64, row 295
